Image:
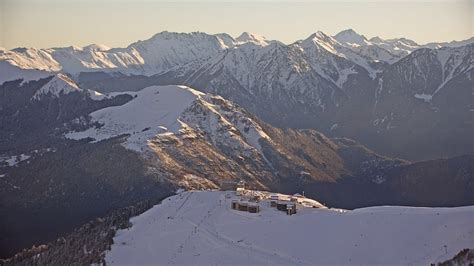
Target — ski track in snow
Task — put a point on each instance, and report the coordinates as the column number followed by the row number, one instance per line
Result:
column 200, row 228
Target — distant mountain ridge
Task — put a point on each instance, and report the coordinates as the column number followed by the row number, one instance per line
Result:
column 161, row 52
column 395, row 96
column 166, row 49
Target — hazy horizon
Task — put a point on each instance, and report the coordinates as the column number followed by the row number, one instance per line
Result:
column 117, row 23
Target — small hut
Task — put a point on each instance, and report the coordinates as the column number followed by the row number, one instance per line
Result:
column 253, row 208
column 243, row 206
column 281, row 205
column 290, row 208
column 286, row 206
column 274, row 198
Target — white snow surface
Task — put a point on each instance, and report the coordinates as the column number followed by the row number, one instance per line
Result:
column 351, row 37
column 59, row 84
column 200, row 228
column 154, row 110
column 9, row 72
column 96, row 96
column 247, row 37
column 161, row 52
column 163, row 110
column 167, row 50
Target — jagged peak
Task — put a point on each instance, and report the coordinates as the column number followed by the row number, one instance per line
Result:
column 349, row 36
column 321, row 37
column 321, row 40
column 319, row 34
column 246, row 37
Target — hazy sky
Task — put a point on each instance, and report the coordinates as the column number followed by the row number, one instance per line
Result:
column 117, row 23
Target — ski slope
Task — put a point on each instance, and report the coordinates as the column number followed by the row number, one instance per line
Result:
column 200, row 228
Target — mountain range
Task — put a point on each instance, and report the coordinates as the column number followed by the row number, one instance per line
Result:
column 395, row 96
column 84, row 131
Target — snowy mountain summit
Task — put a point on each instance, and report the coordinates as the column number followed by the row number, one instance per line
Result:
column 351, row 37
column 247, row 37
column 163, row 111
column 202, row 228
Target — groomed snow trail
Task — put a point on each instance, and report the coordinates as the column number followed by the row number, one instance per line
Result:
column 199, row 228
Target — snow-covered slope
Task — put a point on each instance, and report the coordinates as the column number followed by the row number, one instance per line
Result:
column 450, row 44
column 333, row 60
column 159, row 53
column 163, row 111
column 60, row 84
column 399, row 46
column 247, row 37
column 10, row 72
column 351, row 37
column 167, row 50
column 318, row 82
column 200, row 228
column 154, row 110
column 426, row 72
column 388, row 50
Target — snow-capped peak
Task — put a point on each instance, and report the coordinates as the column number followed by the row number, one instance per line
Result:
column 96, row 47
column 351, row 37
column 246, row 37
column 322, row 40
column 192, row 39
column 437, row 45
column 168, row 50
column 399, row 46
column 319, row 35
column 59, row 84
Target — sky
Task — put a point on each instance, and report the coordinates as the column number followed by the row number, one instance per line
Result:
column 117, row 23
